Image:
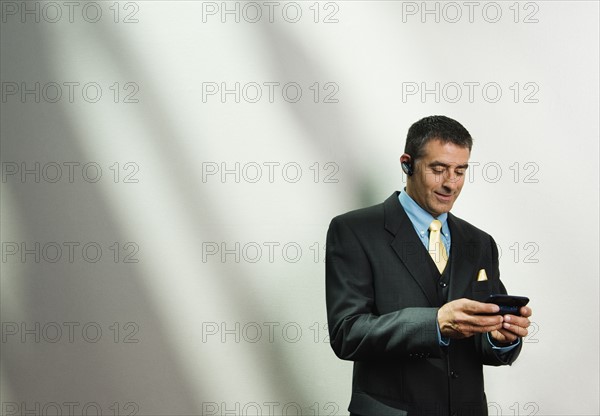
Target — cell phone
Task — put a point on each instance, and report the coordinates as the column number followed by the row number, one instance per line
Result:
column 509, row 304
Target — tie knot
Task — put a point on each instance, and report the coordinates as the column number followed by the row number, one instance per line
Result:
column 435, row 225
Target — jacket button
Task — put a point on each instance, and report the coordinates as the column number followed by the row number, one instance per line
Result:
column 453, row 374
column 443, row 284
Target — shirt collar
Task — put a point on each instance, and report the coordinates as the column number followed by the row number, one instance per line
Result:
column 420, row 218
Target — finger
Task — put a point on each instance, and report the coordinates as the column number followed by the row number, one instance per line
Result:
column 515, row 329
column 482, row 321
column 525, row 311
column 470, row 329
column 517, row 320
column 504, row 336
column 466, row 330
column 486, row 329
column 499, row 337
column 474, row 307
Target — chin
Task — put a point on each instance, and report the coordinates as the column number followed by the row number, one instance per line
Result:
column 442, row 209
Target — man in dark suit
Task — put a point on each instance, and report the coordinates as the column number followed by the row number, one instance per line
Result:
column 403, row 294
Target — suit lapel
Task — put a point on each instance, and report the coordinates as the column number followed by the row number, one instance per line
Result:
column 408, row 246
column 463, row 252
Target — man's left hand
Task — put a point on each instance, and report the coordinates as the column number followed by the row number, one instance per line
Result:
column 513, row 327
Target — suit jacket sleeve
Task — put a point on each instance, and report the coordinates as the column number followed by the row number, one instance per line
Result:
column 488, row 354
column 357, row 331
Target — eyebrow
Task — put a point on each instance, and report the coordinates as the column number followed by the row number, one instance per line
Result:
column 445, row 165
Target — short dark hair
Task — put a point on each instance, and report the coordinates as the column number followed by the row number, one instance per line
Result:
column 440, row 128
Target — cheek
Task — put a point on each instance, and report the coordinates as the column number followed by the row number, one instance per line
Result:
column 432, row 183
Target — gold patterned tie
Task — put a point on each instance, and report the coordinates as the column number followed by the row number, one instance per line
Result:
column 437, row 250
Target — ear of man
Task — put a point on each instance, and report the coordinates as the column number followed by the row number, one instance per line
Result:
column 406, row 163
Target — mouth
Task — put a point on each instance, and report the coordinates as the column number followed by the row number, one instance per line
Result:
column 443, row 197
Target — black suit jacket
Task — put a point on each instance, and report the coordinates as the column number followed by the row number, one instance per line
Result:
column 382, row 303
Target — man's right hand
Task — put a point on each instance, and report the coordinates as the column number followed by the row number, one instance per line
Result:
column 463, row 318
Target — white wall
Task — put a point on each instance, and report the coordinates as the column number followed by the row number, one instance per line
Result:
column 188, row 328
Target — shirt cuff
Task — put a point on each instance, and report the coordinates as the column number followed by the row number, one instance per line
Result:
column 503, row 350
column 443, row 341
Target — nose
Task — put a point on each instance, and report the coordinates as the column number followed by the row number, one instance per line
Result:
column 451, row 179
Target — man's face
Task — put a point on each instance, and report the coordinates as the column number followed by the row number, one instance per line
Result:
column 438, row 176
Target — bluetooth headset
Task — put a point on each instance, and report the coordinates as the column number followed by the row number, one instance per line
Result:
column 407, row 167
